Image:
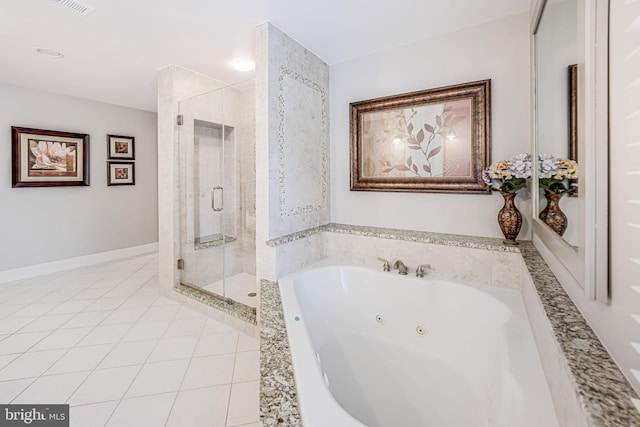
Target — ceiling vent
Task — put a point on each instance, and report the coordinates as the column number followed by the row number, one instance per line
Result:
column 79, row 7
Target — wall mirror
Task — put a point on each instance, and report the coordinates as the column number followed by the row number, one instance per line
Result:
column 569, row 57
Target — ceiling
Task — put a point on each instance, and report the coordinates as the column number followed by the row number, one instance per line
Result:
column 113, row 54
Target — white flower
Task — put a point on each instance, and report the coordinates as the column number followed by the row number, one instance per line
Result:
column 520, row 165
column 50, row 155
column 547, row 164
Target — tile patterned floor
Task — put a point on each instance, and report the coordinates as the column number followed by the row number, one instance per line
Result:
column 101, row 339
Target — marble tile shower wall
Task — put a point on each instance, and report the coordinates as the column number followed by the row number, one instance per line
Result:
column 292, row 97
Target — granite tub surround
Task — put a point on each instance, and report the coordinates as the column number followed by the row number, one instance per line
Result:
column 584, row 375
column 587, row 387
column 278, row 402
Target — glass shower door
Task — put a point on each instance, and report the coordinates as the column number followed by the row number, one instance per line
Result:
column 207, row 163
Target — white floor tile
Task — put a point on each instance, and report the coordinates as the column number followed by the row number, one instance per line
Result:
column 19, row 343
column 54, row 389
column 105, row 384
column 124, row 315
column 146, row 330
column 5, row 359
column 159, row 313
column 48, row 322
column 174, row 348
column 159, row 377
column 62, row 338
column 86, row 318
column 80, row 359
column 220, row 343
column 71, row 307
column 247, row 343
column 128, row 353
column 247, row 366
column 186, row 313
column 10, row 389
column 213, row 327
column 202, row 407
column 92, row 415
column 185, row 327
column 147, row 411
column 105, row 304
column 11, row 324
column 242, row 404
column 209, row 371
column 105, row 334
column 36, row 309
column 29, row 365
column 128, row 357
column 8, row 309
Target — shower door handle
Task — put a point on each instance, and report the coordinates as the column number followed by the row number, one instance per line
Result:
column 213, row 198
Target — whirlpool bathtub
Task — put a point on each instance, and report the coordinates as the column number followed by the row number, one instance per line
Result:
column 382, row 350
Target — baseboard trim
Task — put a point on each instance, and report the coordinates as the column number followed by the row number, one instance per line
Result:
column 70, row 263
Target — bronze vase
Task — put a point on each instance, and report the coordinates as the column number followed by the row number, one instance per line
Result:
column 552, row 215
column 509, row 219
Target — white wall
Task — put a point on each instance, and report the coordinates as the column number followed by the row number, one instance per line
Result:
column 41, row 224
column 496, row 50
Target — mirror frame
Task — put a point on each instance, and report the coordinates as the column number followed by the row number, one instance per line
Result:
column 587, row 269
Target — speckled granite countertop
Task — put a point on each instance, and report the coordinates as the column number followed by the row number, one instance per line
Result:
column 604, row 392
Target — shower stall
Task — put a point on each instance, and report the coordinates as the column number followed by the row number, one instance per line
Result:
column 216, row 140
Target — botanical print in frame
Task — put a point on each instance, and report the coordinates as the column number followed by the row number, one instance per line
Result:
column 121, row 147
column 437, row 140
column 121, row 173
column 46, row 158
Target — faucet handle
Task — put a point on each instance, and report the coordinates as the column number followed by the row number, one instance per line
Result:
column 386, row 266
column 421, row 268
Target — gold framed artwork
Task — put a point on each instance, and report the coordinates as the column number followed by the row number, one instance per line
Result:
column 436, row 140
column 47, row 158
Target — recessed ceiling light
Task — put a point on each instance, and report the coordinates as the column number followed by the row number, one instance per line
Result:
column 243, row 65
column 49, row 52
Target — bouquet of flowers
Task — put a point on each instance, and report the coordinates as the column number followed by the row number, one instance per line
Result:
column 508, row 176
column 555, row 175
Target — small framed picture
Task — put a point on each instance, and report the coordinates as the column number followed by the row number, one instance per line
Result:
column 121, row 173
column 121, row 147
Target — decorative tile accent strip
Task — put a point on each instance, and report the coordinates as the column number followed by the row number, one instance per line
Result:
column 605, row 393
column 289, row 73
column 226, row 305
column 295, row 236
column 278, row 401
column 487, row 243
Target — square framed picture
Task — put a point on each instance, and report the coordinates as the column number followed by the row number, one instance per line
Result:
column 47, row 158
column 121, row 173
column 121, row 147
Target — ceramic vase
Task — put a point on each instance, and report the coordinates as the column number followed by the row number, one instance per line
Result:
column 552, row 215
column 509, row 219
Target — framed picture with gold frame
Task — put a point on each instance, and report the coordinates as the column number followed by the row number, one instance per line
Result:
column 436, row 140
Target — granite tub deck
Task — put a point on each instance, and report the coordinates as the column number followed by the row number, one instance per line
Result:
column 600, row 390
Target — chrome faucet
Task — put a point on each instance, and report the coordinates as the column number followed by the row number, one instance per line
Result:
column 421, row 268
column 386, row 266
column 399, row 265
